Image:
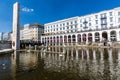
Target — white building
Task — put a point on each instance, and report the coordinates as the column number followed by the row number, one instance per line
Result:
column 103, row 26
column 31, row 32
column 6, row 36
column 1, row 36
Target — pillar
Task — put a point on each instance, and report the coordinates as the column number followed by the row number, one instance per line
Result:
column 16, row 30
column 81, row 38
column 76, row 38
column 86, row 38
column 117, row 34
column 63, row 40
column 109, row 36
column 100, row 34
column 93, row 37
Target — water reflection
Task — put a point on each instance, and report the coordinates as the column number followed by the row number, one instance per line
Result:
column 62, row 64
column 27, row 61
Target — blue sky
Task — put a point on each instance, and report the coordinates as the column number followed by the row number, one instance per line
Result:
column 44, row 11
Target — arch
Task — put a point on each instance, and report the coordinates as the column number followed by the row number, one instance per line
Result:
column 97, row 37
column 48, row 39
column 65, row 39
column 45, row 40
column 104, row 36
column 113, row 36
column 84, row 37
column 69, row 38
column 73, row 38
column 89, row 37
column 61, row 39
column 57, row 39
column 51, row 39
column 79, row 37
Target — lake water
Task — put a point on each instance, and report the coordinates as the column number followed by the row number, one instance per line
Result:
column 75, row 64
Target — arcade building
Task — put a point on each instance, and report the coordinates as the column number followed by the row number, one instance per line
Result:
column 101, row 27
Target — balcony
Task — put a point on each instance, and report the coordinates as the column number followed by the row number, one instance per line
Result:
column 103, row 23
column 104, row 17
column 85, row 22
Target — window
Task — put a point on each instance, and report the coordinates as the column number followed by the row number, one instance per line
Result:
column 71, row 30
column 111, row 25
column 71, row 22
column 96, row 27
column 67, row 27
column 80, row 20
column 119, row 13
column 104, row 21
column 75, row 26
column 89, row 24
column 75, row 21
column 89, row 19
column 63, row 24
column 103, row 26
column 118, row 19
column 111, row 14
column 60, row 24
column 111, row 19
column 96, row 16
column 80, row 25
column 67, row 23
column 103, row 15
column 96, row 21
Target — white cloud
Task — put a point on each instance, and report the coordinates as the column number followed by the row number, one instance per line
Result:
column 25, row 9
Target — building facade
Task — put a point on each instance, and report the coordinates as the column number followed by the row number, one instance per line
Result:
column 103, row 26
column 1, row 36
column 5, row 36
column 31, row 32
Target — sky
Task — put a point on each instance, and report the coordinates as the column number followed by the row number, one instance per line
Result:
column 45, row 11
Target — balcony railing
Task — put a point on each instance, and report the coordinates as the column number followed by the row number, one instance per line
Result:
column 104, row 17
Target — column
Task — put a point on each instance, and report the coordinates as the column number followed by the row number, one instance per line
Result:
column 59, row 40
column 67, row 39
column 109, row 36
column 81, row 38
column 76, row 38
column 16, row 30
column 86, row 38
column 117, row 35
column 56, row 40
column 63, row 39
column 93, row 37
column 100, row 36
column 71, row 40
